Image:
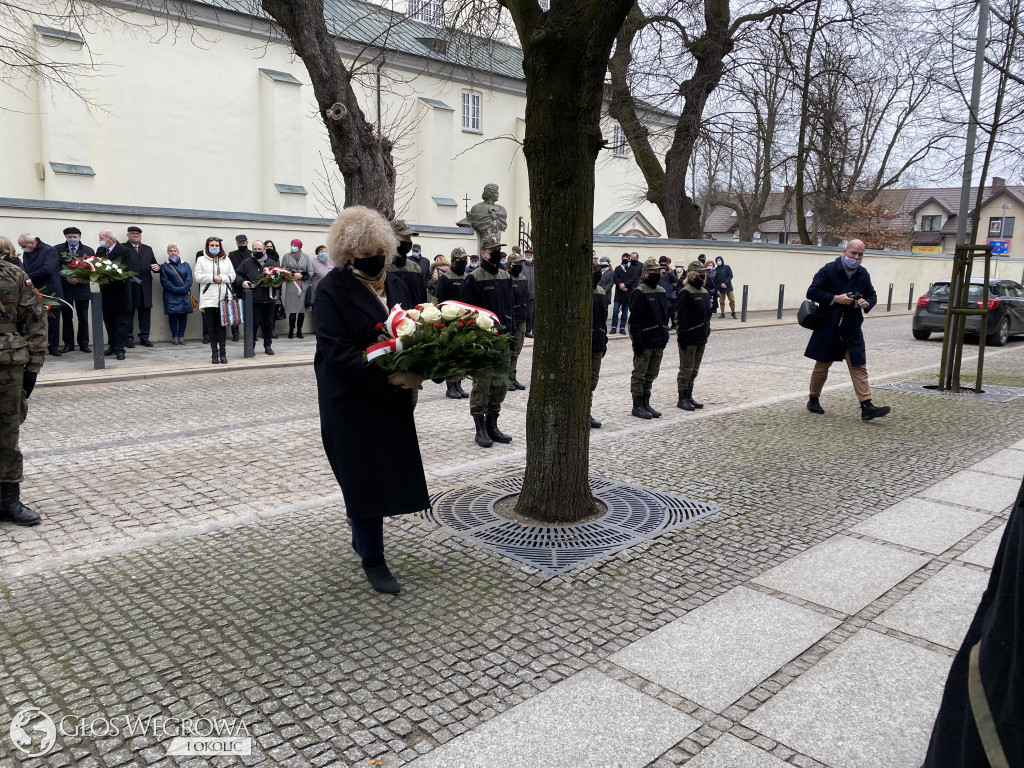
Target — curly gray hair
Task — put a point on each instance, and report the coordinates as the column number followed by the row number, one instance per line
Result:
column 359, row 230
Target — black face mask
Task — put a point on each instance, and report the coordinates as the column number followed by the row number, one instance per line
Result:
column 495, row 257
column 651, row 279
column 459, row 267
column 625, row 262
column 515, row 270
column 404, row 248
column 697, row 282
column 272, row 252
column 370, row 265
column 597, row 278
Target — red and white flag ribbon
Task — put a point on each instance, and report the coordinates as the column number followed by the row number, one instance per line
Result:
column 389, row 347
column 469, row 308
column 395, row 318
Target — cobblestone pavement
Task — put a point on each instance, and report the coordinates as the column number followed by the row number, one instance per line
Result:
column 194, row 560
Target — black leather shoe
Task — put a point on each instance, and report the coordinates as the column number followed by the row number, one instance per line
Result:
column 268, row 351
column 86, row 348
column 493, row 432
column 130, row 344
column 206, row 339
column 298, row 335
column 146, row 342
column 814, row 406
column 511, row 387
column 68, row 348
column 223, row 358
column 517, row 385
column 529, row 334
column 869, row 411
column 685, row 404
column 694, row 403
column 234, row 337
column 108, row 352
column 12, row 509
column 215, row 359
column 594, row 423
column 482, row 438
column 119, row 355
column 380, row 579
column 53, row 351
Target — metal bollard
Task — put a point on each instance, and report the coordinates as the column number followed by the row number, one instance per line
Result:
column 743, row 311
column 247, row 324
column 782, row 293
column 888, row 305
column 910, row 299
column 96, row 313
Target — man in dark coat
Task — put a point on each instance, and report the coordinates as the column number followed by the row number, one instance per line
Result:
column 531, row 281
column 668, row 281
column 598, row 336
column 723, row 278
column 421, row 261
column 607, row 280
column 648, row 329
column 489, row 287
column 43, row 267
column 263, row 301
column 236, row 257
column 625, row 279
column 407, row 270
column 843, row 291
column 118, row 306
column 77, row 294
column 982, row 711
column 693, row 318
column 520, row 308
column 142, row 261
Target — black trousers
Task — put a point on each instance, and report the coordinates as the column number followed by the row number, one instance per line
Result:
column 119, row 326
column 264, row 320
column 145, row 318
column 67, row 315
column 368, row 539
column 218, row 333
column 529, row 315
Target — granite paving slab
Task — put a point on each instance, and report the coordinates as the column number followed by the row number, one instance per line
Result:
column 941, row 609
column 921, row 524
column 842, row 573
column 984, row 552
column 870, row 703
column 719, row 651
column 730, row 752
column 1008, row 463
column 587, row 721
column 975, row 489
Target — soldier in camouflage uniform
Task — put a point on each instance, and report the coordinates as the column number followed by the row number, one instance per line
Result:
column 22, row 348
column 520, row 307
column 648, row 327
column 407, row 270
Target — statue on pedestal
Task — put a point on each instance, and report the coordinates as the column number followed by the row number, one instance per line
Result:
column 487, row 217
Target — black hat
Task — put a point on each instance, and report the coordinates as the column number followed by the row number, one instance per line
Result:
column 72, row 231
column 664, row 260
column 133, row 228
column 241, row 239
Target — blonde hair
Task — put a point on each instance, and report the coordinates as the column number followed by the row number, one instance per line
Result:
column 358, row 229
column 7, row 249
column 172, row 245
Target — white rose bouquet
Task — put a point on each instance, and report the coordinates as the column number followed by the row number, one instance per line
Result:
column 439, row 342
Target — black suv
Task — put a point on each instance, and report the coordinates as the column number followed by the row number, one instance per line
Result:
column 1005, row 310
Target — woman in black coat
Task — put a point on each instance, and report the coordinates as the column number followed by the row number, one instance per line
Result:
column 366, row 419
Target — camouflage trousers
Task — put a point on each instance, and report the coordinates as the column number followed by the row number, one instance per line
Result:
column 689, row 365
column 13, row 410
column 520, row 338
column 489, row 392
column 646, row 367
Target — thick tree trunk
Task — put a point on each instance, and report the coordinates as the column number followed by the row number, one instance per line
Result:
column 364, row 159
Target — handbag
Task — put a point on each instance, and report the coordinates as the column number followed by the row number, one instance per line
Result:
column 230, row 310
column 809, row 315
column 193, row 299
column 307, row 302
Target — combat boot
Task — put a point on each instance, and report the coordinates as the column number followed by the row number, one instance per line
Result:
column 11, row 507
column 453, row 391
column 462, row 393
column 647, row 405
column 638, row 408
column 493, row 432
column 684, row 402
column 482, row 438
column 594, row 423
column 694, row 403
column 814, row 405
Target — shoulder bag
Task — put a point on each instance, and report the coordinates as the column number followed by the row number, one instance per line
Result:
column 193, row 299
column 809, row 315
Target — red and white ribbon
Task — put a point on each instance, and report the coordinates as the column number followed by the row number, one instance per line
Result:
column 395, row 318
column 469, row 308
column 389, row 347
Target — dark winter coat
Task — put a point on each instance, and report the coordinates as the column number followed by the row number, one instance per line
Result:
column 249, row 269
column 491, row 291
column 648, row 317
column 449, row 287
column 43, row 267
column 840, row 329
column 599, row 327
column 140, row 262
column 117, row 296
column 423, row 263
column 520, row 298
column 693, row 316
column 999, row 626
column 365, row 422
column 607, row 280
column 723, row 274
column 74, row 291
column 237, row 256
column 176, row 280
column 531, row 278
column 630, row 277
column 408, row 271
column 668, row 281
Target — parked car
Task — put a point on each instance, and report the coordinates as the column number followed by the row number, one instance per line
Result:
column 1005, row 310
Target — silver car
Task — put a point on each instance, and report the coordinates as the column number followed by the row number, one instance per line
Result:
column 1005, row 310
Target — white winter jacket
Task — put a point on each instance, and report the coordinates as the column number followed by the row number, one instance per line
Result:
column 211, row 293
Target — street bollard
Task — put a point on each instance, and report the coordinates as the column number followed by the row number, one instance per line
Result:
column 743, row 311
column 910, row 299
column 782, row 293
column 96, row 312
column 247, row 324
column 888, row 305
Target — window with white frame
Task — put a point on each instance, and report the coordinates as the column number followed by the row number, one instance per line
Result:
column 931, row 223
column 471, row 111
column 428, row 11
column 619, row 142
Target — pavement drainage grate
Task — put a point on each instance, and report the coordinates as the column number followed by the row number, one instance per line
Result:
column 989, row 394
column 634, row 515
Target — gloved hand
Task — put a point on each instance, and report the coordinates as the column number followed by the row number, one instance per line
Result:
column 28, row 382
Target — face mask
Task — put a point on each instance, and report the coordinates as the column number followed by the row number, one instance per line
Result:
column 294, row 249
column 272, row 251
column 503, row 264
column 495, row 257
column 529, row 259
column 459, row 267
column 697, row 281
column 652, row 278
column 404, row 248
column 625, row 262
column 850, row 263
column 102, row 244
column 175, row 259
column 370, row 265
column 322, row 256
column 215, row 251
column 597, row 278
column 719, row 262
column 73, row 242
column 516, row 270
column 26, row 251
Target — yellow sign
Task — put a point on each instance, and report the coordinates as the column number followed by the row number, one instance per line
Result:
column 926, row 249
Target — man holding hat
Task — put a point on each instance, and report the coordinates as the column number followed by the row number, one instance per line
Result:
column 693, row 318
column 76, row 292
column 407, row 270
column 520, row 308
column 236, row 257
column 143, row 262
column 648, row 328
column 490, row 287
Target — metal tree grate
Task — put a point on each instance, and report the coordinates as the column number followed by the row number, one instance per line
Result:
column 989, row 394
column 634, row 515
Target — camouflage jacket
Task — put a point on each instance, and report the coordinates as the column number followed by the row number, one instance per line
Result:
column 22, row 320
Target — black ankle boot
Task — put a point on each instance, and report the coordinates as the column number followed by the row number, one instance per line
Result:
column 298, row 324
column 814, row 406
column 380, row 578
column 493, row 432
column 453, row 391
column 291, row 326
column 638, row 408
column 869, row 411
column 694, row 403
column 647, row 406
column 684, row 402
column 594, row 423
column 482, row 438
column 11, row 507
column 462, row 393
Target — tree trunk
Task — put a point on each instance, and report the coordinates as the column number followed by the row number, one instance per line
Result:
column 364, row 159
